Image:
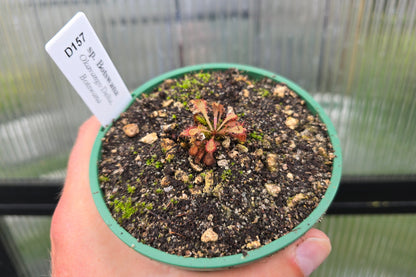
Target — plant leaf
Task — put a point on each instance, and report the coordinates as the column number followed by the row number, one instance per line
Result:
column 217, row 110
column 199, row 155
column 231, row 117
column 200, row 106
column 200, row 119
column 193, row 150
column 211, row 146
column 202, row 129
column 235, row 129
column 194, row 131
column 241, row 137
column 186, row 132
column 209, row 159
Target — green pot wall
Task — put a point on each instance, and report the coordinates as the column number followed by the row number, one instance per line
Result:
column 233, row 260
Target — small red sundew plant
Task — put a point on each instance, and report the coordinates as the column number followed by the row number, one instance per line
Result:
column 205, row 133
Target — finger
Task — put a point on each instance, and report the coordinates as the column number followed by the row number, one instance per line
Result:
column 299, row 259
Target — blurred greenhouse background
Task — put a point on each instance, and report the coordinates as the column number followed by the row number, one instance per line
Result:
column 357, row 58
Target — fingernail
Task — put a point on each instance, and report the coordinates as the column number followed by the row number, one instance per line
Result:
column 311, row 253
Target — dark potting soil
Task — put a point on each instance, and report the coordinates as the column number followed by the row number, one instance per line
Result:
column 256, row 191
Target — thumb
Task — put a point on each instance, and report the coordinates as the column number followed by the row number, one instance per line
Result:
column 312, row 251
column 297, row 260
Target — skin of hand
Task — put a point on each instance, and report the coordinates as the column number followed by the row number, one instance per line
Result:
column 82, row 244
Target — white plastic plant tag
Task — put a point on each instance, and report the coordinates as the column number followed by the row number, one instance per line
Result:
column 79, row 54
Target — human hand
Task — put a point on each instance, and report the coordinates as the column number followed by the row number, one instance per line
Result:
column 82, row 244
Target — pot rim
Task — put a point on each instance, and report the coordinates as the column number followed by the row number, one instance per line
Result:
column 236, row 259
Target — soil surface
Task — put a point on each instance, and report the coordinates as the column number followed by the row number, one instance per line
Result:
column 256, row 191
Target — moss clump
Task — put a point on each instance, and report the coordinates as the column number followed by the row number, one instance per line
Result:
column 226, row 174
column 103, row 178
column 184, row 84
column 153, row 162
column 256, row 135
column 264, row 92
column 131, row 189
column 205, row 77
column 125, row 207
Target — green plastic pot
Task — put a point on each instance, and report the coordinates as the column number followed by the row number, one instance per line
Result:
column 233, row 260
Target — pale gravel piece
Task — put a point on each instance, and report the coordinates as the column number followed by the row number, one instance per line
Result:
column 253, row 244
column 292, row 123
column 279, row 91
column 131, row 130
column 209, row 181
column 272, row 162
column 149, row 138
column 273, row 189
column 209, row 236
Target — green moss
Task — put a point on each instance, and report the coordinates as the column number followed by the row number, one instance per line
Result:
column 184, row 84
column 152, row 161
column 131, row 189
column 204, row 77
column 197, row 95
column 264, row 92
column 226, row 174
column 158, row 164
column 103, row 178
column 256, row 135
column 125, row 207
